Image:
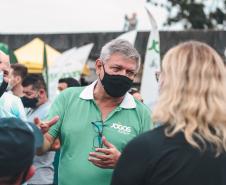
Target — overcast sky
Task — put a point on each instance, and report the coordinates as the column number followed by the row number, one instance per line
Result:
column 56, row 16
column 41, row 16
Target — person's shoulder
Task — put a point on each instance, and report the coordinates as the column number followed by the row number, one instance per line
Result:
column 149, row 143
column 70, row 94
column 157, row 132
column 72, row 91
column 45, row 106
column 10, row 97
column 142, row 107
column 153, row 138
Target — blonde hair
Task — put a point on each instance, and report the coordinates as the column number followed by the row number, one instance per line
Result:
column 193, row 95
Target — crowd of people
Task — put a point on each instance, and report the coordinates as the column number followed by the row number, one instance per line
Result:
column 103, row 133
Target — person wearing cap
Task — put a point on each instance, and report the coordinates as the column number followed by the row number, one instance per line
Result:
column 19, row 141
column 97, row 121
column 11, row 106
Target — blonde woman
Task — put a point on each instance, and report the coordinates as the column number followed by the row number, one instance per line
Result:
column 189, row 148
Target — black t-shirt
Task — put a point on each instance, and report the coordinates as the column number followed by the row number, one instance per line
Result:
column 154, row 159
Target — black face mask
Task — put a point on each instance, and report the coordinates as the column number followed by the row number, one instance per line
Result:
column 3, row 87
column 29, row 102
column 116, row 85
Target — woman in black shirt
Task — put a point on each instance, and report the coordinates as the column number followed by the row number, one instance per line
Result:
column 189, row 148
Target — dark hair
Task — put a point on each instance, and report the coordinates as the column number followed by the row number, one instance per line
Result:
column 71, row 82
column 19, row 70
column 12, row 179
column 36, row 80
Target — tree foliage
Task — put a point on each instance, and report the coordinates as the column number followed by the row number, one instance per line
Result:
column 195, row 15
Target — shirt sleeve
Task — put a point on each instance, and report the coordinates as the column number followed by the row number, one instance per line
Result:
column 18, row 110
column 57, row 109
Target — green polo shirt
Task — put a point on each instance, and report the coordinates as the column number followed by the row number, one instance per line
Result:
column 76, row 108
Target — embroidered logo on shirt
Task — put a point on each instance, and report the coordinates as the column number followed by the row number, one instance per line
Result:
column 121, row 128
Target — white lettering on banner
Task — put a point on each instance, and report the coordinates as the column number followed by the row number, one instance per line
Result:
column 121, row 128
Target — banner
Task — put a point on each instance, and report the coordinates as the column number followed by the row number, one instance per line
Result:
column 149, row 84
column 4, row 48
column 129, row 36
column 68, row 64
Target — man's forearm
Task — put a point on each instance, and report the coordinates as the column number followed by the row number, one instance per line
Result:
column 48, row 141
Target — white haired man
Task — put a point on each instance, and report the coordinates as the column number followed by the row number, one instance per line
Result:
column 97, row 121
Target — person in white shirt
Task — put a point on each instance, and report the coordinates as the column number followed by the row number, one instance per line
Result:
column 11, row 106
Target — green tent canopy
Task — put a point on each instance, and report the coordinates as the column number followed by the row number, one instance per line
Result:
column 4, row 47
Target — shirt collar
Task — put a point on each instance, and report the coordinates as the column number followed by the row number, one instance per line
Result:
column 87, row 93
column 127, row 103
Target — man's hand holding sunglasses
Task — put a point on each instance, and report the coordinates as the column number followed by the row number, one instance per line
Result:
column 106, row 157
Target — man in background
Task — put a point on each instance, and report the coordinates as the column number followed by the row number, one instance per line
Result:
column 64, row 83
column 36, row 100
column 17, row 75
column 10, row 105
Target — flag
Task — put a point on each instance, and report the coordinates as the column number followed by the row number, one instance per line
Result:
column 45, row 67
column 149, row 84
column 4, row 48
column 12, row 56
column 129, row 36
column 69, row 64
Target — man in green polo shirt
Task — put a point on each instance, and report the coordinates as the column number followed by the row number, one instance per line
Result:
column 96, row 122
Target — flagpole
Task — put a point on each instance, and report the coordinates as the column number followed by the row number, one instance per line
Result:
column 45, row 68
